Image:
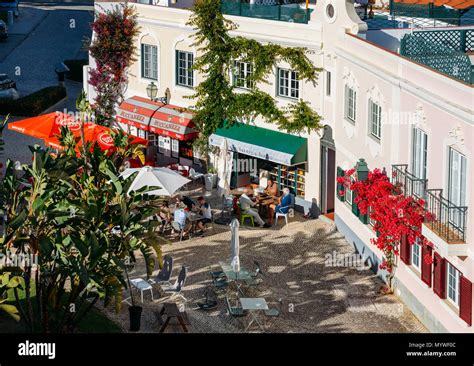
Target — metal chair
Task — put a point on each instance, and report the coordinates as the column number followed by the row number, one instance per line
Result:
column 175, row 290
column 234, row 310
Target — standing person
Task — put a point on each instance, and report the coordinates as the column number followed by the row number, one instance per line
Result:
column 204, row 210
column 247, row 207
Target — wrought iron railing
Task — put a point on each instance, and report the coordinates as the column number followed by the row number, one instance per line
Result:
column 408, row 183
column 448, row 220
column 423, row 48
column 281, row 10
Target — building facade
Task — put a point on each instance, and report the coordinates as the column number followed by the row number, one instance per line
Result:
column 379, row 102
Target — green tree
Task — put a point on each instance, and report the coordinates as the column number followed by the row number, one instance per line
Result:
column 216, row 98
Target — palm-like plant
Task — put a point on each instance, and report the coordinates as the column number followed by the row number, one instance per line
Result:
column 67, row 209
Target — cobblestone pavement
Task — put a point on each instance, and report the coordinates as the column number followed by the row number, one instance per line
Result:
column 311, row 296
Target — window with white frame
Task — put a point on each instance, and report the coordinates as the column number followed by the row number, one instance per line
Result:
column 348, row 196
column 141, row 133
column 416, row 255
column 288, row 83
column 452, row 284
column 375, row 119
column 350, row 103
column 174, row 148
column 242, row 75
column 152, row 139
column 149, row 62
column 328, row 83
column 184, row 69
column 419, row 153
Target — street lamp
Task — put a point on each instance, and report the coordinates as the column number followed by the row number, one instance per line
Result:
column 152, row 91
column 362, row 170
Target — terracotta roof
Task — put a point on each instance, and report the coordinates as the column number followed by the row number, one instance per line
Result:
column 456, row 4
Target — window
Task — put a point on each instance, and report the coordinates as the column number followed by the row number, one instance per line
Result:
column 375, row 120
column 149, row 62
column 452, row 283
column 419, row 158
column 348, row 196
column 288, row 84
column 328, row 83
column 184, row 69
column 242, row 75
column 351, row 98
column 457, row 185
column 174, row 148
column 141, row 133
column 416, row 255
column 152, row 139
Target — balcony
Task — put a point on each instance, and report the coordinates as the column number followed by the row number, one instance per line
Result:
column 281, row 10
column 447, row 229
column 408, row 183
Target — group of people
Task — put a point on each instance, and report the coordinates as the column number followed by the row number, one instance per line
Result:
column 248, row 203
column 183, row 206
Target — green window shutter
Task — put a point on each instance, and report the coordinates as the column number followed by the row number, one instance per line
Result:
column 364, row 218
column 355, row 208
column 340, row 187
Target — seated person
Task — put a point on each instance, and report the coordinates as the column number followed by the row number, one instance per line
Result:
column 190, row 204
column 286, row 202
column 180, row 218
column 272, row 188
column 247, row 207
column 165, row 214
column 204, row 210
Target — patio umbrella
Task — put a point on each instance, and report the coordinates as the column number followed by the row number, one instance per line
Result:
column 45, row 126
column 168, row 180
column 234, row 243
column 224, row 169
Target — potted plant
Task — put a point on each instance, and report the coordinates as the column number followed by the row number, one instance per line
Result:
column 135, row 311
column 210, row 179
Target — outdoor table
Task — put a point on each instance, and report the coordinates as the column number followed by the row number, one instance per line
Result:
column 242, row 275
column 253, row 305
column 194, row 218
column 237, row 191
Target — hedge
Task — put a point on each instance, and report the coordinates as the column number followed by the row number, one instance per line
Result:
column 33, row 104
column 75, row 72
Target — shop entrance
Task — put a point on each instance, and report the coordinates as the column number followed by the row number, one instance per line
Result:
column 328, row 171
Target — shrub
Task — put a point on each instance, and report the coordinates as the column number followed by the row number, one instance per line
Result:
column 33, row 104
column 75, row 69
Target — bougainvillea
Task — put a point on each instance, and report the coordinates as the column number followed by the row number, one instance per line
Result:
column 394, row 214
column 113, row 49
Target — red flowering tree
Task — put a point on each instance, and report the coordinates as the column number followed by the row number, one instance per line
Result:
column 113, row 48
column 394, row 215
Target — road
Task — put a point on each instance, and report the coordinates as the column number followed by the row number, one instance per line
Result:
column 45, row 34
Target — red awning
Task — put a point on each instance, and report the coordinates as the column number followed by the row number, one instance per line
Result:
column 163, row 119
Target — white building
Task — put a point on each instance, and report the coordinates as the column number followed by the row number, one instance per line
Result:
column 376, row 104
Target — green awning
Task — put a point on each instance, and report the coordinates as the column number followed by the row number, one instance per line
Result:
column 262, row 143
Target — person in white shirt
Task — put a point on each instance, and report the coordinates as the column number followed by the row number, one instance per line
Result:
column 247, row 207
column 205, row 211
column 180, row 217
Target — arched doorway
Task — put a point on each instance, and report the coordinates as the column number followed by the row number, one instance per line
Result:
column 328, row 171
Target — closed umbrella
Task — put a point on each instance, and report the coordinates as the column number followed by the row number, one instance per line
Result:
column 234, row 241
column 224, row 169
column 166, row 179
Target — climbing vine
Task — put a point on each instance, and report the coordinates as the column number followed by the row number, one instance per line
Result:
column 217, row 100
column 395, row 215
column 113, row 50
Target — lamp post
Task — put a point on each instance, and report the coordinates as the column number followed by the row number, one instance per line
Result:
column 152, row 91
column 362, row 170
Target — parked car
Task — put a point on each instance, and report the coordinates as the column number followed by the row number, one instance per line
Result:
column 7, row 88
column 3, row 30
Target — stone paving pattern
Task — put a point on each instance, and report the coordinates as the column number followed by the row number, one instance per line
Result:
column 312, row 297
